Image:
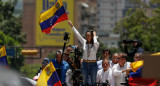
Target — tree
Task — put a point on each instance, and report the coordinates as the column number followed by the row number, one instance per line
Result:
column 100, row 49
column 10, row 31
column 137, row 24
column 9, row 24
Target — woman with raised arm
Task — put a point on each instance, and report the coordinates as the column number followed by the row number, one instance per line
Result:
column 90, row 47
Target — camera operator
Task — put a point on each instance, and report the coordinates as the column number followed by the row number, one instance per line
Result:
column 66, row 56
column 73, row 75
column 136, row 47
column 104, row 76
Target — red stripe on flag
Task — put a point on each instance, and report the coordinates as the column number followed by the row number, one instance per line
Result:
column 61, row 18
column 58, row 83
column 137, row 81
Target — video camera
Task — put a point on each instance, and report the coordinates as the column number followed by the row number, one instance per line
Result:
column 139, row 43
column 77, row 77
column 66, row 36
column 104, row 83
column 128, row 41
column 77, row 50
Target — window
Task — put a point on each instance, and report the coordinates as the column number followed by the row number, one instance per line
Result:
column 112, row 4
column 111, row 18
column 111, row 25
column 112, row 11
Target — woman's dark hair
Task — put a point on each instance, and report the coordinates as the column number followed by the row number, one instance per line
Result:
column 91, row 31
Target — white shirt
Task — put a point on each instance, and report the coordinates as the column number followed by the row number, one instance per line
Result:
column 69, row 81
column 102, row 76
column 118, row 75
column 99, row 64
column 92, row 49
column 112, row 64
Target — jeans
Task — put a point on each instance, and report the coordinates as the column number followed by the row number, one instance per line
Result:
column 89, row 69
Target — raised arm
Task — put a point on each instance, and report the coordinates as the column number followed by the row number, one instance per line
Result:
column 115, row 71
column 96, row 43
column 81, row 39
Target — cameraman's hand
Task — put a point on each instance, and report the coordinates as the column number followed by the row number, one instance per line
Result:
column 124, row 44
column 70, row 23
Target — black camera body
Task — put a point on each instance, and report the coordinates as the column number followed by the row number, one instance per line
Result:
column 66, row 36
column 104, row 83
column 128, row 41
column 77, row 77
column 77, row 51
column 139, row 43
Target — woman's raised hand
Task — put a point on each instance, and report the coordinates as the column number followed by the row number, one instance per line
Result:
column 70, row 23
column 94, row 33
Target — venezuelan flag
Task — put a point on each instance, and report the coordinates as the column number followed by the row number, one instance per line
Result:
column 135, row 77
column 53, row 16
column 49, row 77
column 3, row 56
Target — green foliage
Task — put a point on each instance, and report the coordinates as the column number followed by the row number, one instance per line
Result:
column 30, row 70
column 139, row 25
column 10, row 31
column 7, row 40
column 10, row 24
column 100, row 49
column 51, row 55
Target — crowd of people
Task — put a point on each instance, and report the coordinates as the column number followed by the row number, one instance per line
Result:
column 111, row 70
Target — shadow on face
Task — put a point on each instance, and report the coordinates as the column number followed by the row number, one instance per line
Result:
column 89, row 37
column 106, row 55
column 58, row 57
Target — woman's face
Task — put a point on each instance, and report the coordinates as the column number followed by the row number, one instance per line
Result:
column 89, row 37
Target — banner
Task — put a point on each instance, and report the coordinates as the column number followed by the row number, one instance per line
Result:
column 55, row 37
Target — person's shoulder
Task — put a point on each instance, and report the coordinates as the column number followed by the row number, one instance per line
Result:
column 140, row 50
column 53, row 60
column 115, row 66
column 65, row 63
column 100, row 71
column 128, row 63
column 99, row 61
column 110, row 69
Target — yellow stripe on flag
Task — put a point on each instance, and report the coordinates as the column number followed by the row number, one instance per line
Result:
column 49, row 13
column 156, row 54
column 136, row 65
column 3, row 51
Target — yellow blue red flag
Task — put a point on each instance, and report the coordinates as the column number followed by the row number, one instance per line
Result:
column 53, row 16
column 3, row 56
column 136, row 79
column 49, row 77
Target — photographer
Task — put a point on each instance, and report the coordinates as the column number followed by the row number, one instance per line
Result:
column 136, row 47
column 73, row 75
column 66, row 56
